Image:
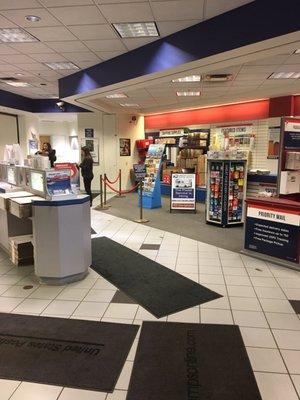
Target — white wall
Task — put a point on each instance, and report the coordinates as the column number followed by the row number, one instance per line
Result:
column 133, row 131
column 8, row 132
column 29, row 128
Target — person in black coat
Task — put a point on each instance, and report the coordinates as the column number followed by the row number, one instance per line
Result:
column 86, row 167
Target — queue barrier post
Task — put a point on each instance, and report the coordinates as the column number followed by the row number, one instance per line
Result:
column 141, row 220
column 105, row 192
column 102, row 205
column 120, row 185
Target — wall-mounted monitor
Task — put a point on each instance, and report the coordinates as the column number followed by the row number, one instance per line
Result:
column 37, row 182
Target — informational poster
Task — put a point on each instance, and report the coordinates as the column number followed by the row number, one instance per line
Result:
column 139, row 171
column 183, row 192
column 240, row 136
column 33, row 146
column 89, row 132
column 75, row 180
column 291, row 139
column 58, row 182
column 125, row 147
column 274, row 233
column 273, row 145
column 93, row 145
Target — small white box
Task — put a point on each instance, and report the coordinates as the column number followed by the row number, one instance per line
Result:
column 289, row 182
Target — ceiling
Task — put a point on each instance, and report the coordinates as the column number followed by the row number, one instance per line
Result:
column 80, row 31
column 250, row 71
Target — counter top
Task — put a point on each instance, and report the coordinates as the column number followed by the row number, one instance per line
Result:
column 79, row 199
column 272, row 202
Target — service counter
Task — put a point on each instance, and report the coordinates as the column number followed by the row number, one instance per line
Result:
column 272, row 230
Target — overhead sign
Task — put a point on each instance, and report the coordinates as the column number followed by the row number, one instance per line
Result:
column 291, row 139
column 171, row 132
column 183, row 192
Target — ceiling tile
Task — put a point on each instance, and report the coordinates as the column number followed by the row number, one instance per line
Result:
column 114, row 1
column 33, row 67
column 256, row 69
column 31, row 48
column 16, row 4
column 288, row 68
column 5, row 23
column 216, row 7
column 86, row 56
column 18, row 17
column 8, row 67
column 168, row 27
column 48, row 75
column 54, row 3
column 78, row 15
column 17, row 59
column 293, row 59
column 5, row 49
column 51, row 34
column 176, row 10
column 86, row 64
column 134, row 43
column 68, row 47
column 52, row 57
column 275, row 60
column 105, row 45
column 91, row 32
column 107, row 55
column 127, row 12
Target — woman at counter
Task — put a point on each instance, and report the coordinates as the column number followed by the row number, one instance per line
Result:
column 47, row 151
column 86, row 167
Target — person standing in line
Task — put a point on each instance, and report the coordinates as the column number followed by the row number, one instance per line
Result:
column 86, row 167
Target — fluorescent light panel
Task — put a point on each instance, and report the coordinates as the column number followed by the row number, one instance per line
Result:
column 61, row 65
column 285, row 75
column 129, row 105
column 191, row 78
column 16, row 35
column 18, row 84
column 136, row 29
column 297, row 51
column 188, row 93
column 116, row 96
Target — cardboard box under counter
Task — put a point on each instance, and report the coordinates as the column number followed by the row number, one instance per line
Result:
column 22, row 207
column 5, row 197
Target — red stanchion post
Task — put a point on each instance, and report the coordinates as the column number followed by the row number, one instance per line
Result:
column 120, row 185
column 105, row 192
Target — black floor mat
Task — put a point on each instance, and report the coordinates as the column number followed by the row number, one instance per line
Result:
column 176, row 361
column 93, row 231
column 296, row 305
column 158, row 289
column 63, row 352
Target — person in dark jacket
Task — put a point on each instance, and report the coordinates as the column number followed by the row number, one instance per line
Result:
column 86, row 167
column 47, row 151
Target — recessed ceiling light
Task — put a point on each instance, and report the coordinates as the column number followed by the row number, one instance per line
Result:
column 33, row 18
column 188, row 93
column 136, row 29
column 129, row 105
column 285, row 75
column 19, row 74
column 116, row 96
column 218, row 77
column 61, row 65
column 297, row 51
column 15, row 83
column 43, row 84
column 191, row 78
column 16, row 35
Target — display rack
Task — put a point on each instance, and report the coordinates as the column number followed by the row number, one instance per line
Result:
column 226, row 192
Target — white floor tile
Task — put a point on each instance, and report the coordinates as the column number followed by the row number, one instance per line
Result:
column 245, row 303
column 287, row 339
column 117, row 320
column 283, row 321
column 220, row 289
column 103, row 284
column 144, row 315
column 292, row 360
column 235, row 271
column 35, row 306
column 292, row 294
column 77, row 394
column 191, row 315
column 72, row 294
column 9, row 279
column 35, row 391
column 232, row 262
column 192, row 277
column 123, row 381
column 257, row 337
column 276, row 305
column 289, row 283
column 46, row 292
column 86, row 283
column 214, row 316
column 18, row 291
column 4, row 288
column 259, row 272
column 7, row 387
column 133, row 350
column 237, row 280
column 275, row 386
column 253, row 319
column 264, row 281
column 102, row 296
column 296, row 380
column 281, row 272
column 209, row 262
column 240, row 291
column 91, row 309
column 186, row 268
column 210, row 269
column 266, row 360
column 61, row 307
column 222, row 304
column 269, row 293
column 211, row 278
column 121, row 311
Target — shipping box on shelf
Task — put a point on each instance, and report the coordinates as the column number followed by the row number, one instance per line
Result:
column 21, row 249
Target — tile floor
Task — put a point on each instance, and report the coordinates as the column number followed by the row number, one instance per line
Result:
column 256, row 297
